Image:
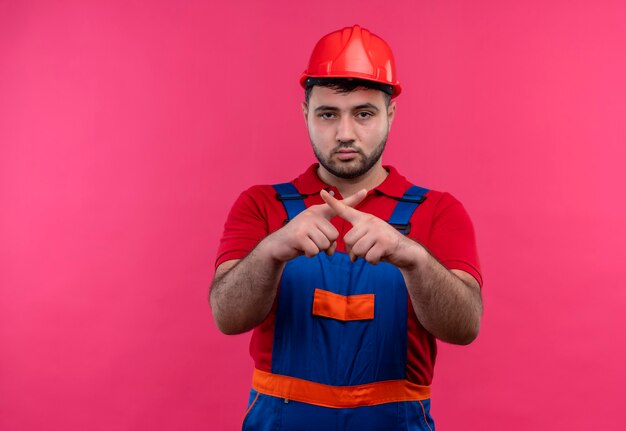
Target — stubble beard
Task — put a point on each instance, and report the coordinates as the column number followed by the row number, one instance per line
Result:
column 349, row 170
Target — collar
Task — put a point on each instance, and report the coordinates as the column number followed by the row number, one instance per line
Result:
column 309, row 183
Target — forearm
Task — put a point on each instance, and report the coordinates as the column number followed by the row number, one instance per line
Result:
column 448, row 307
column 242, row 297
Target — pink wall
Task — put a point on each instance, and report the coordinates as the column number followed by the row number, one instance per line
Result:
column 127, row 128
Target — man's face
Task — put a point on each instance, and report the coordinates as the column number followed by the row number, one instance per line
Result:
column 348, row 131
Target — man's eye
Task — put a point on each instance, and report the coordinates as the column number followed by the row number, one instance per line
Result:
column 364, row 115
column 327, row 115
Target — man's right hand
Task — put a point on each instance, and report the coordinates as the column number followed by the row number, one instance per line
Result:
column 309, row 233
column 243, row 291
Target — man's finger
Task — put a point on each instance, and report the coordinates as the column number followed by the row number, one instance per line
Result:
column 352, row 256
column 374, row 255
column 363, row 245
column 327, row 228
column 356, row 233
column 320, row 240
column 341, row 208
column 309, row 248
column 330, row 250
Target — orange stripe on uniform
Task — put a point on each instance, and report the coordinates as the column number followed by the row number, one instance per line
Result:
column 370, row 394
column 345, row 308
column 425, row 418
column 250, row 408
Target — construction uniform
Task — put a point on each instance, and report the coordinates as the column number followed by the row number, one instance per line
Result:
column 342, row 348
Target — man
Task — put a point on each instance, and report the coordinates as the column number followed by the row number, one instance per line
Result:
column 349, row 273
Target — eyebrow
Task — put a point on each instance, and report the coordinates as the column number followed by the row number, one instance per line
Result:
column 355, row 108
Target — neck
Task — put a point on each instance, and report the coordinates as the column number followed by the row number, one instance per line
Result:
column 348, row 187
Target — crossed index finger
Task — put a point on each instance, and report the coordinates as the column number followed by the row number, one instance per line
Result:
column 344, row 208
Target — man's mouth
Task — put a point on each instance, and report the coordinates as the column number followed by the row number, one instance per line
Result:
column 346, row 153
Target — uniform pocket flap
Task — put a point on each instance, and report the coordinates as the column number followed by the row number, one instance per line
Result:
column 345, row 308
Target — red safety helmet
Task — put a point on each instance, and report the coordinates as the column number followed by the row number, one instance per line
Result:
column 353, row 52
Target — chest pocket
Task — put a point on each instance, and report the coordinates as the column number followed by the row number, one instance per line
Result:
column 343, row 307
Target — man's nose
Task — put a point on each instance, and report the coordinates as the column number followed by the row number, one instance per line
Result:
column 345, row 129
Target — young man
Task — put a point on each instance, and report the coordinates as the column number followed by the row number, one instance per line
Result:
column 349, row 273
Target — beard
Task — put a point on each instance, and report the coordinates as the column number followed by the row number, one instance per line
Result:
column 354, row 168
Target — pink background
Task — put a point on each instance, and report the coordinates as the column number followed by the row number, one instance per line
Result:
column 127, row 129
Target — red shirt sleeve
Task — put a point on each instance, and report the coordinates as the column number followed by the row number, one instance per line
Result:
column 245, row 227
column 254, row 215
column 452, row 239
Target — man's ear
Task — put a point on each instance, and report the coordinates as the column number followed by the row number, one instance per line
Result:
column 391, row 112
column 305, row 111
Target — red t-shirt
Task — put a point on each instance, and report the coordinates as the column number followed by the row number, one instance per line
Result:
column 440, row 224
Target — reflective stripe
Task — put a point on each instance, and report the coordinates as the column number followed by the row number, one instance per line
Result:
column 371, row 394
column 341, row 307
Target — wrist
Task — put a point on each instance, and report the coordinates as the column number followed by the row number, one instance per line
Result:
column 269, row 249
column 413, row 255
